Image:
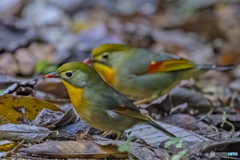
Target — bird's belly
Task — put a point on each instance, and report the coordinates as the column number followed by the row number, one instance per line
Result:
column 148, row 85
column 108, row 120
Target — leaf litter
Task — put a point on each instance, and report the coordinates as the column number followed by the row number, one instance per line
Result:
column 202, row 31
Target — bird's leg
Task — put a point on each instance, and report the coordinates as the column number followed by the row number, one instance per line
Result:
column 119, row 136
column 143, row 101
column 106, row 133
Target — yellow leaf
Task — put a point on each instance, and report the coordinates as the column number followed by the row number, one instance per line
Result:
column 16, row 109
column 7, row 145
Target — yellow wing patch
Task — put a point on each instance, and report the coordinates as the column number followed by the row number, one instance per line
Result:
column 106, row 72
column 168, row 66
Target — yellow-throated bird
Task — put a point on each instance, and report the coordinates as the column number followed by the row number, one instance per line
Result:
column 142, row 73
column 98, row 103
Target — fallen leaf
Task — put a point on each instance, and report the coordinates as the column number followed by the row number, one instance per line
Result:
column 96, row 36
column 53, row 119
column 19, row 109
column 156, row 138
column 11, row 7
column 235, row 85
column 69, row 117
column 55, row 88
column 47, row 118
column 178, row 38
column 138, row 150
column 193, row 98
column 69, row 132
column 185, row 121
column 216, row 120
column 6, row 145
column 208, row 146
column 13, row 36
column 36, row 52
column 6, row 81
column 41, row 14
column 21, row 89
column 8, row 64
column 161, row 106
column 74, row 149
column 18, row 132
column 195, row 143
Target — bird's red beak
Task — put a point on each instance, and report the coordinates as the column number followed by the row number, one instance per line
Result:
column 52, row 75
column 88, row 61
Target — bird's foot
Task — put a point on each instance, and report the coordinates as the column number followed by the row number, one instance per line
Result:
column 83, row 134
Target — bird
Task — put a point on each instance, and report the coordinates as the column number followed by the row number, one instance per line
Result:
column 99, row 104
column 141, row 73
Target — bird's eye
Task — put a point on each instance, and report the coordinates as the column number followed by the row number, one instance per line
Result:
column 105, row 56
column 69, row 74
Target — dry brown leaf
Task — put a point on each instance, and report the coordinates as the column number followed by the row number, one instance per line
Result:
column 13, row 36
column 138, row 150
column 55, row 88
column 216, row 120
column 17, row 109
column 74, row 149
column 8, row 64
column 193, row 98
column 18, row 132
column 70, row 132
column 52, row 119
column 196, row 144
column 185, row 121
column 155, row 138
column 28, row 57
column 6, row 81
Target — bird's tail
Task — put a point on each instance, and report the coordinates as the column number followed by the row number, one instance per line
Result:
column 160, row 128
column 216, row 67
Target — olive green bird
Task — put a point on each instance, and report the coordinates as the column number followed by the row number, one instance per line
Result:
column 141, row 73
column 98, row 103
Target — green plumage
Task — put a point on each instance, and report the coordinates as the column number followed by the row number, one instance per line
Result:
column 131, row 66
column 99, row 104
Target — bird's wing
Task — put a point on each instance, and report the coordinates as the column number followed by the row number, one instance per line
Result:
column 124, row 106
column 130, row 112
column 146, row 62
column 169, row 66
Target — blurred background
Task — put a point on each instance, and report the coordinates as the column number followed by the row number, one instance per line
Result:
column 36, row 36
column 58, row 31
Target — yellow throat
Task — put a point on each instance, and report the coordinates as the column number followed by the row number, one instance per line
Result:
column 106, row 72
column 75, row 96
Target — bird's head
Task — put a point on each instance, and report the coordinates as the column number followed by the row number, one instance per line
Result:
column 109, row 55
column 74, row 73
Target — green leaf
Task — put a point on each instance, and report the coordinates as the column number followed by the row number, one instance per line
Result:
column 180, row 155
column 177, row 141
column 40, row 66
column 43, row 67
column 126, row 145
